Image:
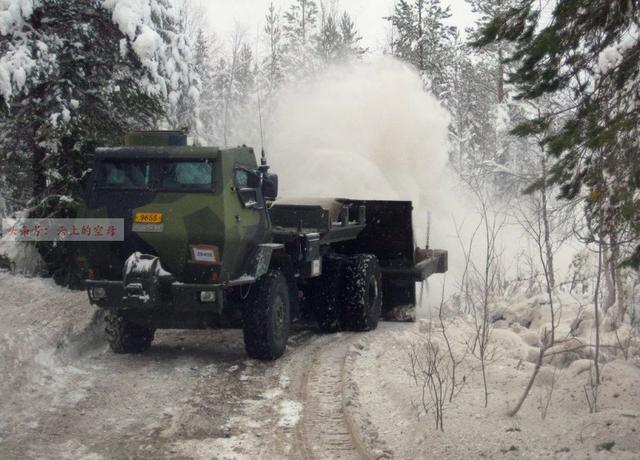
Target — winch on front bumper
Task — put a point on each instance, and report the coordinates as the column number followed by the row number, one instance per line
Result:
column 147, row 286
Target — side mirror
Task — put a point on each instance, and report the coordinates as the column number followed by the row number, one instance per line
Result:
column 270, row 186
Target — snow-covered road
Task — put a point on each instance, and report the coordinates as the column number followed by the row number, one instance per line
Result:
column 195, row 394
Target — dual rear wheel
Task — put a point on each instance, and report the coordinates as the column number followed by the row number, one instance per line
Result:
column 348, row 296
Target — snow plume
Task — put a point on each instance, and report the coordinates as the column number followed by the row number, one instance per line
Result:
column 361, row 130
column 368, row 131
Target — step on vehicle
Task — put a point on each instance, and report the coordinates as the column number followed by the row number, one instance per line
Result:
column 208, row 244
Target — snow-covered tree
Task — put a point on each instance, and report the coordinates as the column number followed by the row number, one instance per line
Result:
column 74, row 75
column 329, row 39
column 204, row 54
column 589, row 50
column 422, row 38
column 350, row 37
column 273, row 71
column 234, row 92
column 300, row 30
column 337, row 40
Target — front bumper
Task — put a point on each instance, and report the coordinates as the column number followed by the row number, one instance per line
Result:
column 115, row 295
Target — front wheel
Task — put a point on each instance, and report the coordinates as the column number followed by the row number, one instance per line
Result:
column 127, row 337
column 266, row 317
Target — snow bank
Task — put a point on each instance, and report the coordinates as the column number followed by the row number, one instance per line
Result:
column 40, row 324
column 21, row 257
column 389, row 402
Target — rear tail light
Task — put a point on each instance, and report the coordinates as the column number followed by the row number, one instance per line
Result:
column 92, row 273
column 215, row 276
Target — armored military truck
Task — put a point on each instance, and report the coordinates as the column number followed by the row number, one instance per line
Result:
column 208, row 244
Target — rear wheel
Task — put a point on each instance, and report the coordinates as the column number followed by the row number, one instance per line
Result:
column 362, row 293
column 127, row 337
column 266, row 317
column 325, row 296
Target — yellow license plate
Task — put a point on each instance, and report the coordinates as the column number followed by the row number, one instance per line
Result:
column 148, row 218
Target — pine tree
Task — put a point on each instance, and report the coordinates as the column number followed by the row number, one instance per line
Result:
column 338, row 40
column 329, row 39
column 487, row 10
column 300, row 31
column 75, row 75
column 234, row 87
column 588, row 50
column 182, row 105
column 422, row 38
column 350, row 37
column 204, row 69
column 273, row 64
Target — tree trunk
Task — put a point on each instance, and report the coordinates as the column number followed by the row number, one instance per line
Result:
column 500, row 77
column 610, row 299
column 615, row 273
column 420, row 41
column 532, row 379
column 547, row 229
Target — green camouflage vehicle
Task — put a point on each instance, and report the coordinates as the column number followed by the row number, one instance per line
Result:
column 208, row 245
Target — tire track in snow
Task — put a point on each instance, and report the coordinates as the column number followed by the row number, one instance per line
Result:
column 326, row 431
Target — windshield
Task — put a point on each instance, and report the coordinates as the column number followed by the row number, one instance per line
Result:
column 167, row 175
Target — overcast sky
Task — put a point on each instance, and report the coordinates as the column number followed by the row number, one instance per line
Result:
column 368, row 14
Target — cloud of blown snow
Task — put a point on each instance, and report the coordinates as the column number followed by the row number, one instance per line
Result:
column 361, row 130
column 367, row 130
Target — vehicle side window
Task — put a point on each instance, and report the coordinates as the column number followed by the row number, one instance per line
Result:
column 124, row 174
column 187, row 175
column 242, row 178
column 247, row 184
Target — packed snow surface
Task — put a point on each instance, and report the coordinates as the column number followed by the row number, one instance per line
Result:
column 195, row 394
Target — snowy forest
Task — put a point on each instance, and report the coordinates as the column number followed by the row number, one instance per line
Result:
column 537, row 201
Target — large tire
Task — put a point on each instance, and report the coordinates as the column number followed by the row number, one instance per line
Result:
column 127, row 337
column 362, row 293
column 266, row 317
column 324, row 296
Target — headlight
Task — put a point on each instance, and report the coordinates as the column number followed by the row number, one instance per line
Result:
column 98, row 293
column 207, row 296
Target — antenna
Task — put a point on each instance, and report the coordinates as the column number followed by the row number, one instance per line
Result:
column 263, row 155
column 428, row 228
